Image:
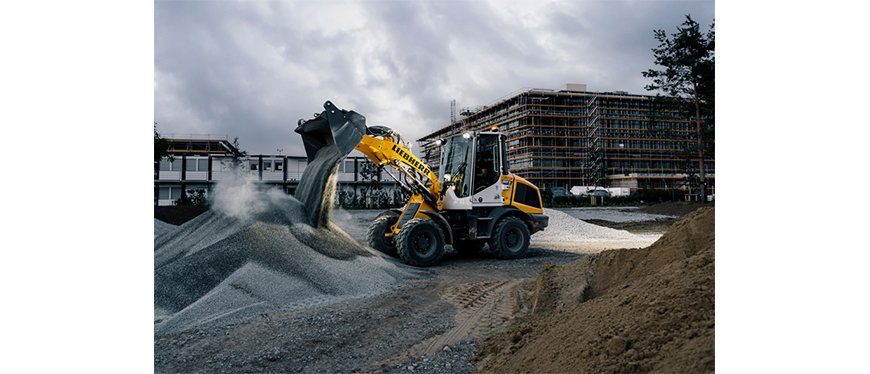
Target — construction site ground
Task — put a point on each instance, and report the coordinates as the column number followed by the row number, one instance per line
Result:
column 433, row 324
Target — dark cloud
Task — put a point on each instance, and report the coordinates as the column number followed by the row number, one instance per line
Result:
column 252, row 69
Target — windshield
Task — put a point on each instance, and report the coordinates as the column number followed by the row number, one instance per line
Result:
column 455, row 156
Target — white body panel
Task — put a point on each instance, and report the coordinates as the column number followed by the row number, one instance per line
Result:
column 491, row 196
column 451, row 202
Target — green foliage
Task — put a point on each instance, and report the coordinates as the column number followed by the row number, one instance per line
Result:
column 369, row 172
column 193, row 197
column 547, row 197
column 687, row 58
column 370, row 198
column 236, row 155
column 687, row 61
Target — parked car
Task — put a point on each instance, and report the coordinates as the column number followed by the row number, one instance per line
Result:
column 600, row 193
column 559, row 191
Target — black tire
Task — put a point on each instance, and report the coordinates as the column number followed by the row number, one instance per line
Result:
column 379, row 227
column 510, row 238
column 468, row 246
column 420, row 242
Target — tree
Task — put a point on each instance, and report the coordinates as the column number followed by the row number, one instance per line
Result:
column 237, row 155
column 161, row 146
column 688, row 61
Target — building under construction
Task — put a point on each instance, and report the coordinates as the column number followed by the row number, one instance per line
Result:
column 573, row 137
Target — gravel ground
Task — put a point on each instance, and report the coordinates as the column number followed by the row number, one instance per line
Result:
column 381, row 333
column 450, row 359
column 372, row 334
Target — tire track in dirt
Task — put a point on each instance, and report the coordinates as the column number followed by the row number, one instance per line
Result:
column 482, row 307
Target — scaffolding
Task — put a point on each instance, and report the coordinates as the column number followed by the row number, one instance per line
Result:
column 569, row 138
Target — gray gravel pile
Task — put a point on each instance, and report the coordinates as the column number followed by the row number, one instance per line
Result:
column 221, row 268
column 161, row 227
column 566, row 229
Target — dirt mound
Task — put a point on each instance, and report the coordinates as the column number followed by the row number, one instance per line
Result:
column 635, row 310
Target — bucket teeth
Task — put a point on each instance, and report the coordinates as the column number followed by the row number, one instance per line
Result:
column 343, row 128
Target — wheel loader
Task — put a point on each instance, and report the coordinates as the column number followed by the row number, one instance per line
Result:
column 474, row 200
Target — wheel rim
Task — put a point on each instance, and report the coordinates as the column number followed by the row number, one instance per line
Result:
column 424, row 244
column 513, row 240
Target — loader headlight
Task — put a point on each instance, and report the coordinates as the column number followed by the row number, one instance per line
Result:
column 438, row 142
column 447, row 177
column 467, row 135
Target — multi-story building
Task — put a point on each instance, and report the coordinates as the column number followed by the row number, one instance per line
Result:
column 199, row 162
column 574, row 137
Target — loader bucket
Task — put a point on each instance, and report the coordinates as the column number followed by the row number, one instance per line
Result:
column 328, row 138
column 343, row 128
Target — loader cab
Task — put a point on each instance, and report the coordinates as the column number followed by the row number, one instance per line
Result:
column 473, row 164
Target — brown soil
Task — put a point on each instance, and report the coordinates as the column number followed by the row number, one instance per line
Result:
column 634, row 310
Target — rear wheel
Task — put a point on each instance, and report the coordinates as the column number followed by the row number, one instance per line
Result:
column 420, row 242
column 510, row 238
column 378, row 230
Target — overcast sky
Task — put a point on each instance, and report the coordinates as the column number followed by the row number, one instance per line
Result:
column 252, row 69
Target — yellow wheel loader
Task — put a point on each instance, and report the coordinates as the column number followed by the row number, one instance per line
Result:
column 473, row 200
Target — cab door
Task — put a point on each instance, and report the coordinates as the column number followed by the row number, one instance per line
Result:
column 488, row 170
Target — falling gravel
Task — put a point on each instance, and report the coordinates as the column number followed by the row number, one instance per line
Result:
column 269, row 252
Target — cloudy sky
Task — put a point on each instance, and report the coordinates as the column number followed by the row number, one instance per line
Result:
column 252, row 69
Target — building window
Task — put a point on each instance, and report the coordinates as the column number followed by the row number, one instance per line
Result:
column 279, row 166
column 166, row 165
column 202, row 165
column 164, row 193
column 253, row 165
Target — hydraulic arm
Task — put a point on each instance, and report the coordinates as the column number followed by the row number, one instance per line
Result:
column 384, row 146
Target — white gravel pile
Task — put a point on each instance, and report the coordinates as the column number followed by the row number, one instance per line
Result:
column 567, row 230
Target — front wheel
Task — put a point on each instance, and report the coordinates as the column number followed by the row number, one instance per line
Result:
column 510, row 238
column 420, row 242
column 378, row 231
